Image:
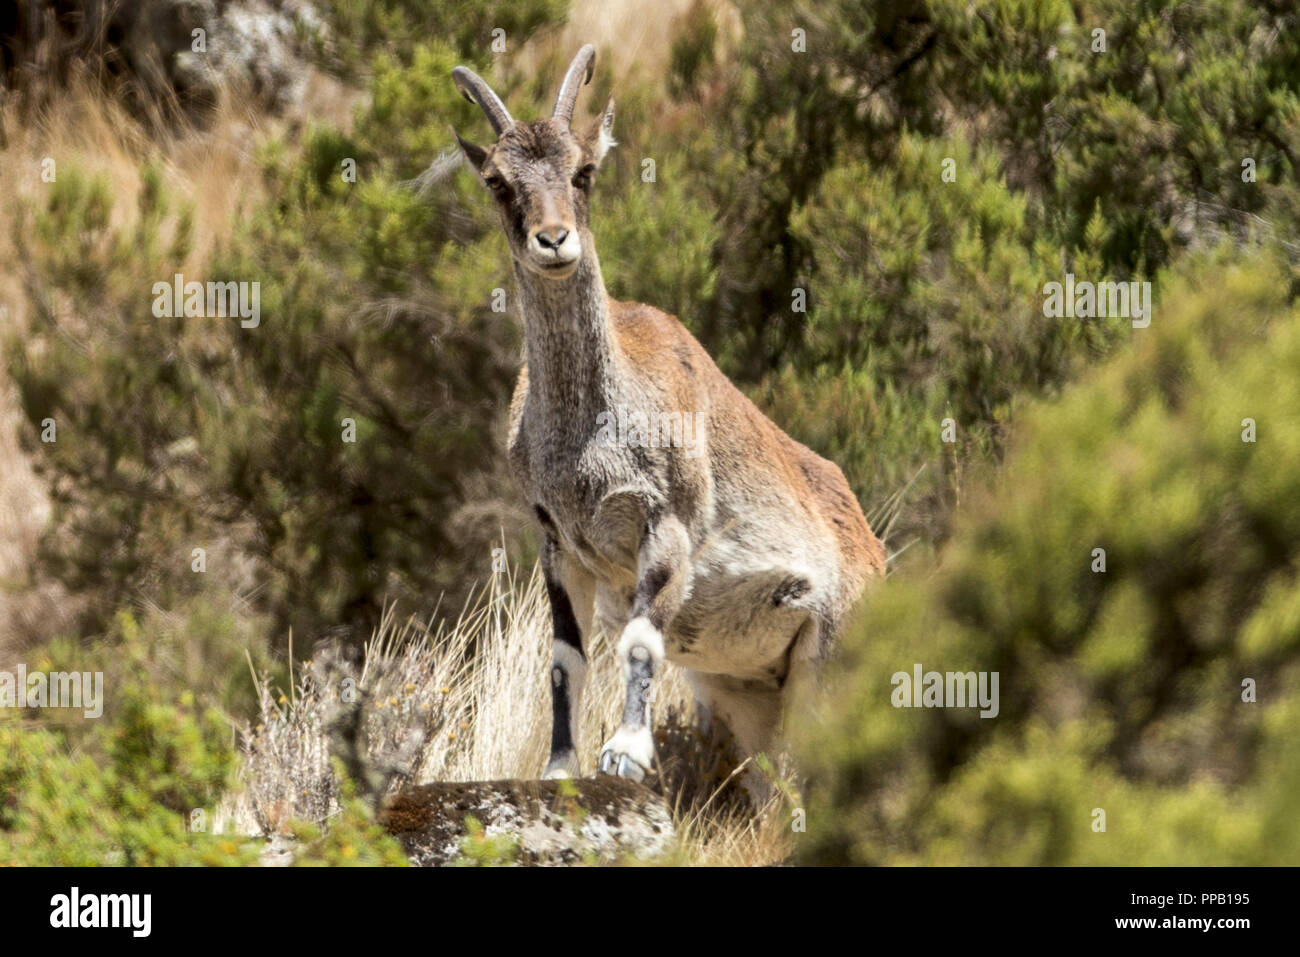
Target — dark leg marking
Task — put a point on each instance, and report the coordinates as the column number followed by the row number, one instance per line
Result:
column 547, row 523
column 561, row 733
column 564, row 624
column 566, row 634
column 791, row 590
column 640, row 675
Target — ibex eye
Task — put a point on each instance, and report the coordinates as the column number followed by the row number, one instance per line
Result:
column 494, row 182
column 583, row 177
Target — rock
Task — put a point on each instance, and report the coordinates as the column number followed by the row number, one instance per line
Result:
column 253, row 43
column 278, row 851
column 157, row 50
column 553, row 822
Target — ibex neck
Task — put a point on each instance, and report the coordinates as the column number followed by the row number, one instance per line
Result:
column 571, row 349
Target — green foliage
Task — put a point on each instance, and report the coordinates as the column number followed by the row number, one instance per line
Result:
column 142, row 786
column 924, row 295
column 1120, row 690
column 360, row 27
column 927, row 304
column 692, row 49
column 128, row 797
column 376, row 315
column 1160, row 119
column 108, row 488
column 352, row 837
column 478, row 849
column 655, row 239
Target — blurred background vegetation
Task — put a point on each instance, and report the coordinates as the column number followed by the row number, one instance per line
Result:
column 775, row 170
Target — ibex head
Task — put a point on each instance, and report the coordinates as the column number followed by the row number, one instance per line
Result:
column 541, row 173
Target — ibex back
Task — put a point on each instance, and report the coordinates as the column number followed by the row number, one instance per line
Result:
column 674, row 514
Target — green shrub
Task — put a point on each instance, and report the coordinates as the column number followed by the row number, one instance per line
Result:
column 131, row 794
column 1120, row 690
column 352, row 838
column 359, row 28
column 144, row 785
column 376, row 325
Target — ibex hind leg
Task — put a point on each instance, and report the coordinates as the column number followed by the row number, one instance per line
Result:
column 751, row 713
column 571, row 593
column 747, row 714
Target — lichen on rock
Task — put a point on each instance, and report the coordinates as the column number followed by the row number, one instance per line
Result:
column 587, row 820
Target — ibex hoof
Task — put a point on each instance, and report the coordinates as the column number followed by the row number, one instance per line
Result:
column 621, row 766
column 629, row 754
column 562, row 765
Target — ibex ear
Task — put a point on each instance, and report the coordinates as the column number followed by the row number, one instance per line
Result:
column 600, row 136
column 476, row 155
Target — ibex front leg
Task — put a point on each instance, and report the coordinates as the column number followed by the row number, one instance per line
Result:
column 663, row 579
column 571, row 594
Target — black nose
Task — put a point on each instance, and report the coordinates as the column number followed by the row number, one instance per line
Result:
column 552, row 242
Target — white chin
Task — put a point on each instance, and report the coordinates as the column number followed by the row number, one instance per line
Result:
column 561, row 271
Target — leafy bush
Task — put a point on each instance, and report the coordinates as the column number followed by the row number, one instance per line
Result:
column 376, row 325
column 924, row 295
column 131, row 794
column 352, row 838
column 360, row 28
column 146, row 786
column 1121, row 690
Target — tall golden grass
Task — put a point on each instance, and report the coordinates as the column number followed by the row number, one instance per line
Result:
column 469, row 700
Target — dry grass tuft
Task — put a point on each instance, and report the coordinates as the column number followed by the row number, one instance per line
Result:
column 469, row 702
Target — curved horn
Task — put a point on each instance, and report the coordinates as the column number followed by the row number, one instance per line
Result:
column 580, row 71
column 474, row 89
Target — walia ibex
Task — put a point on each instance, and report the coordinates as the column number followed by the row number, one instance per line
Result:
column 716, row 541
